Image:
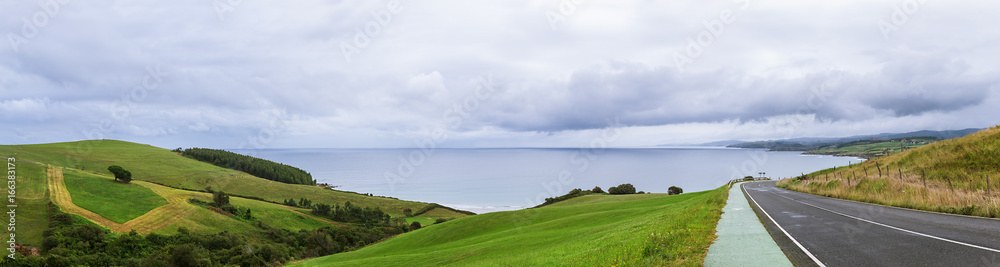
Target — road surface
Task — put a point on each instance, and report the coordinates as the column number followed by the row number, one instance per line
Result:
column 821, row 231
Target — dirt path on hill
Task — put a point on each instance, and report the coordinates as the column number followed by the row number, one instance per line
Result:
column 60, row 196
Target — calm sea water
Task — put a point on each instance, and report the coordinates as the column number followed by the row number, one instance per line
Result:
column 484, row 180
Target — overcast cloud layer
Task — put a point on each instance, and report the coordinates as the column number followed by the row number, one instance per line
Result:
column 491, row 73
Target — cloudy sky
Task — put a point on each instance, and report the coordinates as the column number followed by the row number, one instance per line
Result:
column 230, row 74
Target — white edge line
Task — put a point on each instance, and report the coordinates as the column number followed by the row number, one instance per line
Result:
column 899, row 229
column 811, row 256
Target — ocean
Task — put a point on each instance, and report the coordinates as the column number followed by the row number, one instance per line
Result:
column 488, row 180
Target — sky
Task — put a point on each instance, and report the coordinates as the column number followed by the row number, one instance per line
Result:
column 566, row 73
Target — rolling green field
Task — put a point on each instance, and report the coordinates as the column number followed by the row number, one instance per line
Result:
column 162, row 166
column 32, row 200
column 593, row 230
column 872, row 148
column 113, row 200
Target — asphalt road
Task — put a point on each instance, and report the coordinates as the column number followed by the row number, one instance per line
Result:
column 832, row 232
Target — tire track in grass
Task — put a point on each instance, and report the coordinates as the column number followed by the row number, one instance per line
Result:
column 162, row 216
column 60, row 196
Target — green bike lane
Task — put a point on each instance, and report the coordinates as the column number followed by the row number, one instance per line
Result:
column 742, row 240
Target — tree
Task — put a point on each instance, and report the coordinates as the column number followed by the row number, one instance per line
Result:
column 187, row 255
column 597, row 189
column 121, row 174
column 673, row 190
column 622, row 189
column 414, row 226
column 220, row 198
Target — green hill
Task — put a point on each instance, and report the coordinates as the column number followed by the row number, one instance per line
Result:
column 76, row 214
column 162, row 166
column 592, row 230
column 946, row 176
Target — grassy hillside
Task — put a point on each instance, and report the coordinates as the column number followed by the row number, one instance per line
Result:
column 32, row 202
column 872, row 148
column 161, row 166
column 946, row 176
column 593, row 230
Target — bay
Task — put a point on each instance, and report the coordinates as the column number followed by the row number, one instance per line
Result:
column 487, row 180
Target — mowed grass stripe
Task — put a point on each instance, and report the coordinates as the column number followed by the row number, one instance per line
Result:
column 162, row 216
column 60, row 196
column 118, row 202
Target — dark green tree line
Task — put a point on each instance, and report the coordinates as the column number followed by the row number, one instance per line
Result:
column 254, row 166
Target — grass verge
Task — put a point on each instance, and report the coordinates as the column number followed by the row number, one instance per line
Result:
column 626, row 230
column 947, row 176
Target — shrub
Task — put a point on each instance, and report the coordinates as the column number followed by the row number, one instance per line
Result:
column 220, row 198
column 408, row 212
column 188, row 255
column 622, row 189
column 597, row 189
column 673, row 190
column 572, row 193
column 414, row 226
column 440, row 220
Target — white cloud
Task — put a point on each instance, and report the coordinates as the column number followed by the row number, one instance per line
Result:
column 229, row 78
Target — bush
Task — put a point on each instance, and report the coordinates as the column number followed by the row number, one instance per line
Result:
column 188, row 255
column 673, row 190
column 220, row 198
column 622, row 189
column 414, row 226
column 597, row 189
column 440, row 220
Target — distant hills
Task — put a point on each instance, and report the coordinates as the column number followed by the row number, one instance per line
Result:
column 811, row 143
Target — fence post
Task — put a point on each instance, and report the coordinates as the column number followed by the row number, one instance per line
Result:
column 900, row 172
column 987, row 186
column 923, row 176
column 879, row 169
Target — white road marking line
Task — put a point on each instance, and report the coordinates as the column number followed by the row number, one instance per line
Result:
column 811, row 256
column 896, row 228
